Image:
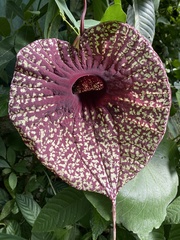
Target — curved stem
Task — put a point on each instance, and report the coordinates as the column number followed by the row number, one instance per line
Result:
column 114, row 218
column 83, row 17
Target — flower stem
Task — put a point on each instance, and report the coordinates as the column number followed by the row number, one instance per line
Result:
column 64, row 19
column 83, row 17
column 114, row 218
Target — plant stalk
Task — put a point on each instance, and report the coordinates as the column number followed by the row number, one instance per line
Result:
column 83, row 17
column 114, row 218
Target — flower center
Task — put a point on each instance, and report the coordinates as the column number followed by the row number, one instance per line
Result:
column 87, row 84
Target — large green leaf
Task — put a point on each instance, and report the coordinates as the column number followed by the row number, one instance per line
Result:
column 66, row 208
column 142, row 17
column 114, row 13
column 142, row 202
column 29, row 208
column 173, row 212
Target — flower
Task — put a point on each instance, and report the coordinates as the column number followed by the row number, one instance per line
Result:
column 93, row 115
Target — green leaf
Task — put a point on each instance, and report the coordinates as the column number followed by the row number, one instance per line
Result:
column 13, row 228
column 66, row 208
column 6, row 171
column 11, row 156
column 4, row 164
column 12, row 180
column 174, row 232
column 98, row 224
column 89, row 23
column 142, row 17
column 7, row 209
column 114, row 13
column 52, row 20
column 5, row 28
column 28, row 207
column 101, row 203
column 173, row 212
column 21, row 167
column 6, row 51
column 156, row 4
column 153, row 188
column 24, row 36
column 64, row 9
column 4, row 236
column 2, row 148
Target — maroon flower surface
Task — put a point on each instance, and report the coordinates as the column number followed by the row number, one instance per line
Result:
column 93, row 115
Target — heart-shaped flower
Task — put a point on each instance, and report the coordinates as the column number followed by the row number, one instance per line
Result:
column 93, row 115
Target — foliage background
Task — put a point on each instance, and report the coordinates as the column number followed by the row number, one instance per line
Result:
column 27, row 189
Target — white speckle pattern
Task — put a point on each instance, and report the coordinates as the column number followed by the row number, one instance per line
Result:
column 94, row 140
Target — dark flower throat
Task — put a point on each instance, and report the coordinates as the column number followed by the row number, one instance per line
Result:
column 88, row 83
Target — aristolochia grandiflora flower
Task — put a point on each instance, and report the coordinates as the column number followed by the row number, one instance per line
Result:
column 93, row 115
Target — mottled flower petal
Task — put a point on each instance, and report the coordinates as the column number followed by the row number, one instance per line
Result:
column 96, row 115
